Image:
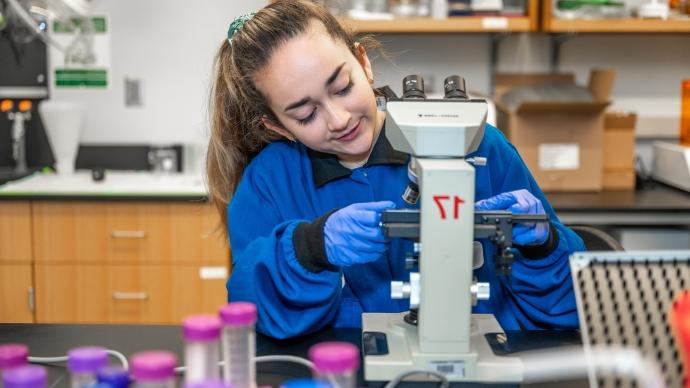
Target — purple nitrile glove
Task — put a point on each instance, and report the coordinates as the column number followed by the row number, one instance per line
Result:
column 520, row 202
column 352, row 235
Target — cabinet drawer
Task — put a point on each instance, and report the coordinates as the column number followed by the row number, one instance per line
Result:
column 16, row 290
column 15, row 232
column 142, row 232
column 124, row 294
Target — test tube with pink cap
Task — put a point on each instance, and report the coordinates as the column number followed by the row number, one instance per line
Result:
column 27, row 376
column 202, row 347
column 336, row 363
column 12, row 356
column 153, row 369
column 239, row 344
column 83, row 364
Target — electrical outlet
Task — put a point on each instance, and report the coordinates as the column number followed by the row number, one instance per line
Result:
column 133, row 96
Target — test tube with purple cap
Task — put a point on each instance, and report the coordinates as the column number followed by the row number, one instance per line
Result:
column 336, row 362
column 154, row 369
column 83, row 364
column 12, row 356
column 202, row 347
column 239, row 344
column 27, row 376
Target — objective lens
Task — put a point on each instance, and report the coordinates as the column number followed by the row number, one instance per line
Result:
column 454, row 87
column 413, row 86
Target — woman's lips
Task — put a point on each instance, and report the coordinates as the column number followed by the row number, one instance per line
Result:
column 351, row 134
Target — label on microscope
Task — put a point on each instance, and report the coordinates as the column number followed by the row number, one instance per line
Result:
column 448, row 368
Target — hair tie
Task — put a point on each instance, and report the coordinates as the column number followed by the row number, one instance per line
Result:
column 237, row 24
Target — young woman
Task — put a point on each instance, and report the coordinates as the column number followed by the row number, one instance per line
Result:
column 299, row 167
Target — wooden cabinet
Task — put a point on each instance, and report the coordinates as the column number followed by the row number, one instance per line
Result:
column 16, row 293
column 118, row 233
column 15, row 262
column 110, row 262
column 124, row 294
column 15, row 232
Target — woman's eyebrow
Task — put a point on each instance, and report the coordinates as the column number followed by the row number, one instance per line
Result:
column 329, row 81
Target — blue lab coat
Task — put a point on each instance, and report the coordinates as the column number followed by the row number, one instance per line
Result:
column 287, row 184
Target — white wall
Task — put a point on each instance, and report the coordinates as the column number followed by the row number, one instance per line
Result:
column 170, row 45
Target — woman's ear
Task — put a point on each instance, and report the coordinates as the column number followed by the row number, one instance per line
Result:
column 363, row 60
column 277, row 128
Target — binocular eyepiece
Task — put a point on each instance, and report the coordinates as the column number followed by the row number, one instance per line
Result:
column 453, row 86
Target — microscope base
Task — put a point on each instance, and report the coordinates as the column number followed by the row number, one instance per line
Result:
column 478, row 365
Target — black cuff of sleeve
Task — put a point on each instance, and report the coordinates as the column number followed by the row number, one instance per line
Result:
column 540, row 251
column 309, row 245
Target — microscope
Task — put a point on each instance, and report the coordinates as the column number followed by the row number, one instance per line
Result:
column 440, row 333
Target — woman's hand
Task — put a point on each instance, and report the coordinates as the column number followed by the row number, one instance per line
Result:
column 520, row 202
column 352, row 235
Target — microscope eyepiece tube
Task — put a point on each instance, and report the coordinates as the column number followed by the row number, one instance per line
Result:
column 413, row 87
column 454, row 87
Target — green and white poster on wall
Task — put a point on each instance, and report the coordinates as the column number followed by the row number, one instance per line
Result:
column 83, row 57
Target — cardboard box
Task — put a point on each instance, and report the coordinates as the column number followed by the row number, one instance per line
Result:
column 561, row 142
column 619, row 151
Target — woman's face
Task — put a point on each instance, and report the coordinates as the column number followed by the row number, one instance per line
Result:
column 322, row 96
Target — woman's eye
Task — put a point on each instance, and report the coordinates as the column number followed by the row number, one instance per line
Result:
column 346, row 90
column 308, row 119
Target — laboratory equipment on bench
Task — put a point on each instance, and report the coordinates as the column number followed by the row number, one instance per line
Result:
column 29, row 19
column 239, row 344
column 440, row 333
column 671, row 163
column 624, row 299
column 19, row 115
column 202, row 347
column 63, row 122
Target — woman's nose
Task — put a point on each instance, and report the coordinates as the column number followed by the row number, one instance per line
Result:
column 338, row 117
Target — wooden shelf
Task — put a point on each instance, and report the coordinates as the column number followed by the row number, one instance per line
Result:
column 552, row 24
column 452, row 24
column 619, row 26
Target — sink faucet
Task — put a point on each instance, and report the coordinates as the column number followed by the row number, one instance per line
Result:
column 18, row 117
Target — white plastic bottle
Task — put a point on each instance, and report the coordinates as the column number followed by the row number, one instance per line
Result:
column 202, row 348
column 83, row 364
column 239, row 344
column 153, row 369
column 336, row 363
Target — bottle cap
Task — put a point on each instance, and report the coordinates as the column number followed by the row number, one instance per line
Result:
column 334, row 357
column 87, row 359
column 28, row 376
column 238, row 314
column 201, row 328
column 305, row 383
column 13, row 355
column 153, row 365
column 113, row 376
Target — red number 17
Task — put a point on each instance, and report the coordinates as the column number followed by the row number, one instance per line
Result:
column 457, row 201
